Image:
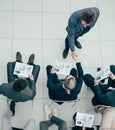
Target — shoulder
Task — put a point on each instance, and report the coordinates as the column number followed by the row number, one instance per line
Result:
column 95, row 10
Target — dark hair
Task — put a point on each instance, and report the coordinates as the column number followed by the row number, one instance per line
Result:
column 19, row 85
column 88, row 16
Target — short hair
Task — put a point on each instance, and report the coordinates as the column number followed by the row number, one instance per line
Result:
column 69, row 83
column 19, row 85
column 88, row 16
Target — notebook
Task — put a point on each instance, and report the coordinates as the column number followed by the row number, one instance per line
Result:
column 23, row 70
column 102, row 74
column 83, row 118
column 62, row 67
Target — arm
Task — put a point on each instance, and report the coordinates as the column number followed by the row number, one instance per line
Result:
column 73, row 54
column 74, row 29
column 5, row 88
column 51, row 79
column 83, row 127
column 112, row 76
column 106, row 98
column 71, row 34
column 50, row 82
column 79, row 68
column 32, row 83
column 111, row 80
column 79, row 79
column 80, row 73
column 103, row 98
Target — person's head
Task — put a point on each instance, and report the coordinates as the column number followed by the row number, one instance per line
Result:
column 69, row 83
column 19, row 85
column 87, row 17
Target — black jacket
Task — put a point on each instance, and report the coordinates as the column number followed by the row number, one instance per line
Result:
column 107, row 98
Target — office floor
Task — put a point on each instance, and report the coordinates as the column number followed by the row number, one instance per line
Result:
column 38, row 26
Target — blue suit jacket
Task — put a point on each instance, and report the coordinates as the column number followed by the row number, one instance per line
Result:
column 57, row 92
column 75, row 28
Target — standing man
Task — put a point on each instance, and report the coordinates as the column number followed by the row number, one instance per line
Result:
column 79, row 23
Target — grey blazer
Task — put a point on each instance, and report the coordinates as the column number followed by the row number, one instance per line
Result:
column 75, row 28
column 27, row 94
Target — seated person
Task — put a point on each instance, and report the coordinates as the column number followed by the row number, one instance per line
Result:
column 108, row 117
column 51, row 118
column 103, row 95
column 69, row 88
column 20, row 89
column 5, row 121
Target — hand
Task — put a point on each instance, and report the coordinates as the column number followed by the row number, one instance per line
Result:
column 112, row 76
column 83, row 127
column 31, row 77
column 52, row 70
column 50, row 115
column 96, row 81
column 74, row 55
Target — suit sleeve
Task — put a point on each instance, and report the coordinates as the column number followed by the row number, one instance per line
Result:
column 50, row 83
column 5, row 87
column 103, row 98
column 80, row 77
column 80, row 72
column 71, row 29
column 114, row 82
column 32, row 86
column 71, row 35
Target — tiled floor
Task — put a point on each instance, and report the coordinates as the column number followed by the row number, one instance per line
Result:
column 38, row 26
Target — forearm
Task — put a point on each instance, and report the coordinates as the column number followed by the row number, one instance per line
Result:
column 98, row 93
column 79, row 68
column 32, row 85
column 97, row 90
column 71, row 41
column 50, row 82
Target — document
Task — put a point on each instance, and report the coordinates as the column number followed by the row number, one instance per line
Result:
column 62, row 67
column 83, row 118
column 102, row 74
column 23, row 70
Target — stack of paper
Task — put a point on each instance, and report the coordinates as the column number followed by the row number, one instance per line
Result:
column 62, row 67
column 23, row 70
column 83, row 118
column 102, row 74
